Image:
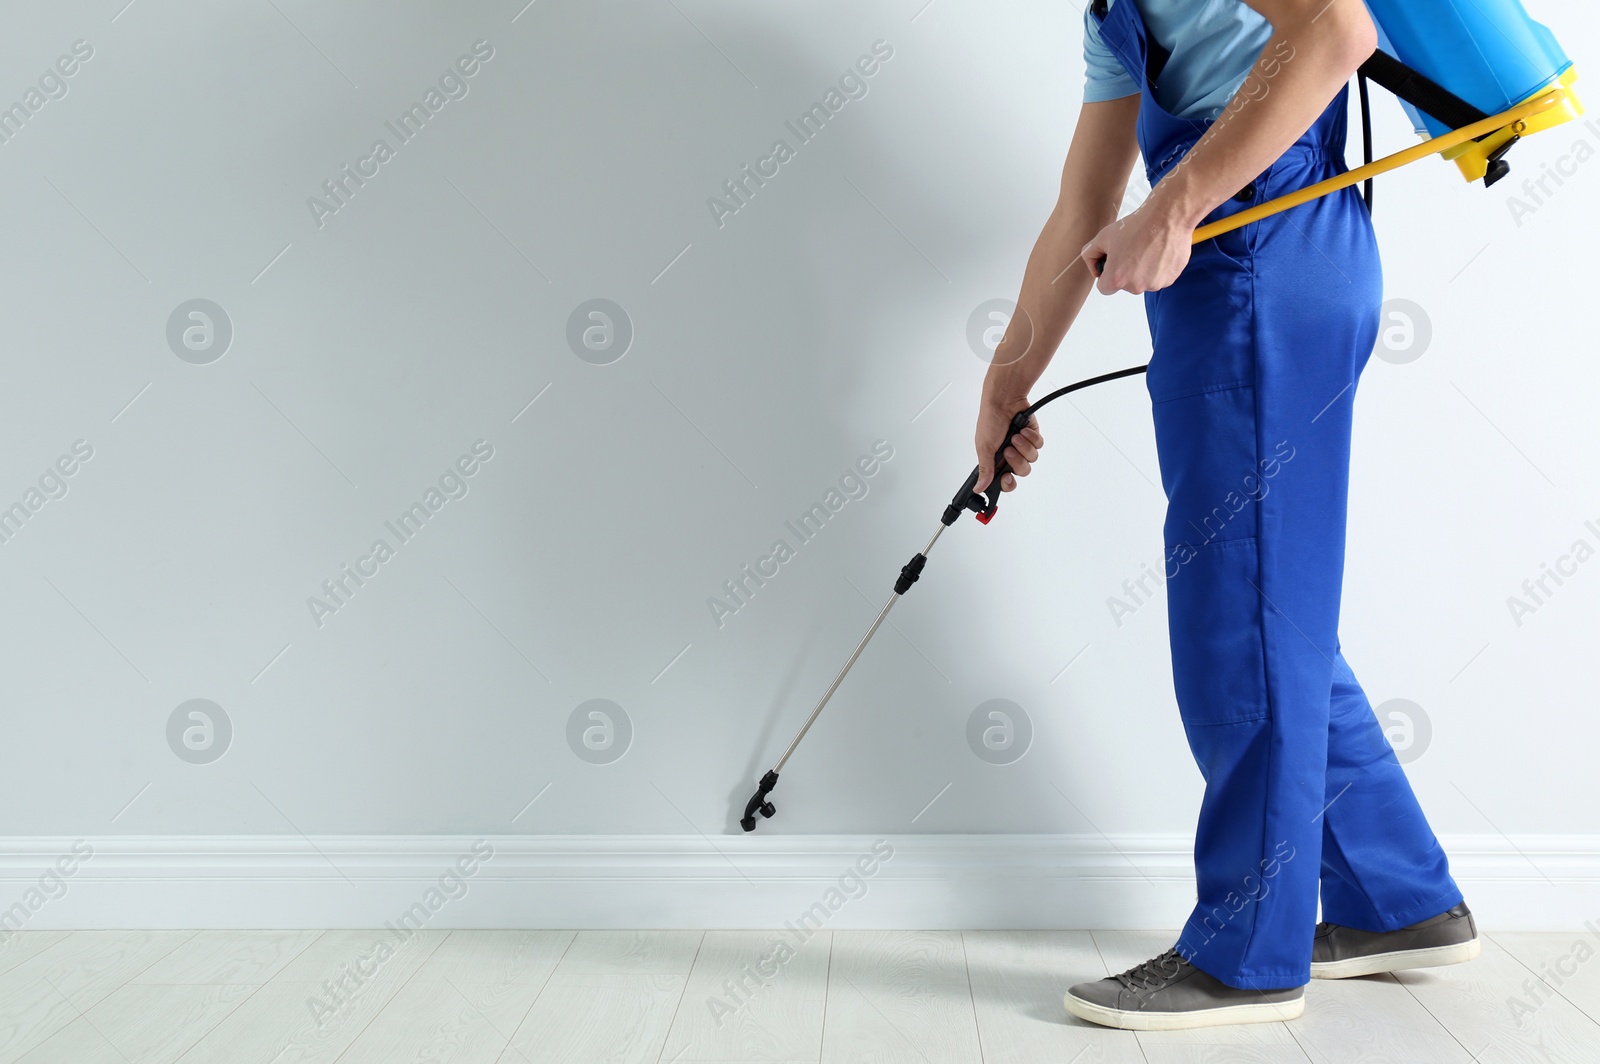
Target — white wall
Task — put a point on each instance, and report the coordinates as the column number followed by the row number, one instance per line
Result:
column 769, row 354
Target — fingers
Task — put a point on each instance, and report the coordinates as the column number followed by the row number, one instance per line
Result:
column 1019, row 455
column 1024, row 450
column 1110, row 283
column 1094, row 257
column 1028, row 442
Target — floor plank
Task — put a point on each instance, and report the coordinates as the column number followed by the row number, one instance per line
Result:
column 79, row 1043
column 898, row 996
column 498, row 973
column 1018, row 978
column 732, row 1008
column 20, row 945
column 58, row 984
column 435, row 1021
column 1569, row 963
column 1487, row 1007
column 579, row 1019
column 236, row 957
column 319, row 1002
column 142, row 1024
column 1224, row 1053
column 631, row 953
column 88, row 965
column 497, row 956
column 1371, row 1020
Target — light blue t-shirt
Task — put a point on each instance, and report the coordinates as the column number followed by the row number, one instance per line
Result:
column 1214, row 43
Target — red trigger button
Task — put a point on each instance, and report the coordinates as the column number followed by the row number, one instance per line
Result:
column 983, row 516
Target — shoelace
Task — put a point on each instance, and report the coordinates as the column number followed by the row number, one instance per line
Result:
column 1154, row 972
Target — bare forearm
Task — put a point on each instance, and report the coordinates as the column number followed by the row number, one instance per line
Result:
column 1315, row 48
column 1056, row 282
column 1054, row 288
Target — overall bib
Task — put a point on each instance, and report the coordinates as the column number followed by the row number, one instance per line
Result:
column 1256, row 351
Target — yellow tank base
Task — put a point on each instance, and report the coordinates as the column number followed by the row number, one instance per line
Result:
column 1476, row 157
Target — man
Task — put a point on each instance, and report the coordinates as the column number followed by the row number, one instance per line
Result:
column 1259, row 337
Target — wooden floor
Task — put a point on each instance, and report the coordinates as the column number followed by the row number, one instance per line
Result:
column 141, row 997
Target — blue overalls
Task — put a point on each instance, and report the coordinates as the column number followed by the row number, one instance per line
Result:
column 1257, row 349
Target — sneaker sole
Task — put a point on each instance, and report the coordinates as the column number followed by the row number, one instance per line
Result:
column 1398, row 961
column 1220, row 1016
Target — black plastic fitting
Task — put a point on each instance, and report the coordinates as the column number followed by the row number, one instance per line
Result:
column 909, row 573
column 759, row 803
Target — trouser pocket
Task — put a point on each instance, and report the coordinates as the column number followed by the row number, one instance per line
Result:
column 1214, row 616
column 1215, row 484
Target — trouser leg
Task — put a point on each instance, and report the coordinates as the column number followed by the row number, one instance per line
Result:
column 1253, row 381
column 1382, row 867
column 1253, row 606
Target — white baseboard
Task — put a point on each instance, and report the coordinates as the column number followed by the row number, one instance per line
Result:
column 1543, row 882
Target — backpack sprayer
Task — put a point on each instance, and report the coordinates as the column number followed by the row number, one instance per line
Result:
column 1476, row 76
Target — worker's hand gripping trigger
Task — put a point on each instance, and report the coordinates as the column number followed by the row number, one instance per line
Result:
column 968, row 499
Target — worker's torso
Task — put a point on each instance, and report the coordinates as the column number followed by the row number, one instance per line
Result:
column 1212, row 46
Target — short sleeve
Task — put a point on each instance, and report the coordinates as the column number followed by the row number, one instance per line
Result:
column 1106, row 78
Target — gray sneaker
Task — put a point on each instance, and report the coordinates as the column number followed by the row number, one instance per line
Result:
column 1340, row 952
column 1169, row 994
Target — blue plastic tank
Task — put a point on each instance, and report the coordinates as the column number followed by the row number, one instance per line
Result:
column 1488, row 52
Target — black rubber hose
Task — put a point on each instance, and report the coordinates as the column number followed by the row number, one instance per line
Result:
column 1091, row 382
column 1366, row 136
column 968, row 499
